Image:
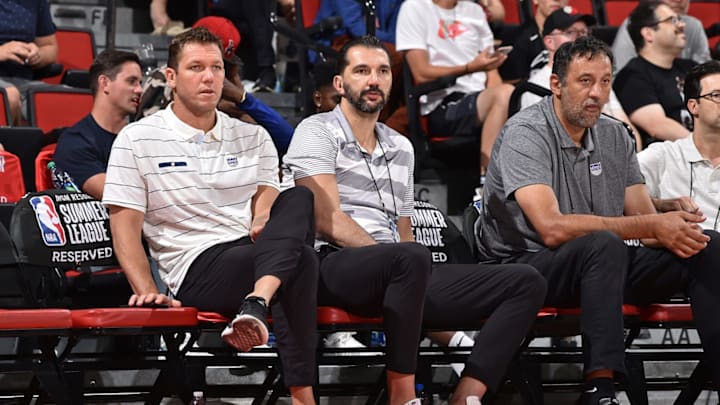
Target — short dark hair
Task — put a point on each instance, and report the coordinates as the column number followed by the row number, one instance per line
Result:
column 692, row 89
column 368, row 41
column 108, row 63
column 323, row 73
column 198, row 35
column 642, row 16
column 587, row 46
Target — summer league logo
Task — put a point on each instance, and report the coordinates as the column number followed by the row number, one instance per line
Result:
column 75, row 227
column 428, row 224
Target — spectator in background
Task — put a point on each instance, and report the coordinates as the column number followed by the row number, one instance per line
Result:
column 325, row 96
column 236, row 102
column 650, row 86
column 451, row 37
column 696, row 47
column 27, row 42
column 83, row 150
column 162, row 24
column 528, row 47
column 681, row 174
column 354, row 26
column 563, row 192
column 561, row 27
column 353, row 19
column 256, row 50
column 225, row 239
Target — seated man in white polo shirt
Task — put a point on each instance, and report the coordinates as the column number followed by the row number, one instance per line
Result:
column 685, row 174
column 203, row 189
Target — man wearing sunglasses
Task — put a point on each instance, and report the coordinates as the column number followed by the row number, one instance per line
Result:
column 650, row 86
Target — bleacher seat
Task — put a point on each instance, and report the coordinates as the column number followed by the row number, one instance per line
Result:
column 53, row 107
column 12, row 184
column 47, row 240
column 43, row 181
column 76, row 52
column 25, row 143
column 666, row 315
column 708, row 12
column 616, row 11
column 512, row 12
column 425, row 144
column 4, row 109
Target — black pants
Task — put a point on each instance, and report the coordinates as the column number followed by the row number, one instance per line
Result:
column 387, row 280
column 221, row 277
column 252, row 18
column 506, row 296
column 599, row 272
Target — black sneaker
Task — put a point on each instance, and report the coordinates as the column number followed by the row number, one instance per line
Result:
column 592, row 397
column 249, row 328
column 598, row 391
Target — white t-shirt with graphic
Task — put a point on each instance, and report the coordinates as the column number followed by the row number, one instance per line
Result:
column 451, row 38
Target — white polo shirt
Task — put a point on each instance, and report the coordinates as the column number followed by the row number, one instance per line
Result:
column 668, row 168
column 195, row 188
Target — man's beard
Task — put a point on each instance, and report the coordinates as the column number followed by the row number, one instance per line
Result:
column 358, row 102
column 576, row 114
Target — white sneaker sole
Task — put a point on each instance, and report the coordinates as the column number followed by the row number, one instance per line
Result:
column 245, row 332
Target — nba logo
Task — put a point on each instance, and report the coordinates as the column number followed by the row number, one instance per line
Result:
column 48, row 220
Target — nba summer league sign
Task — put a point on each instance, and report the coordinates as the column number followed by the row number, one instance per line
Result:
column 62, row 227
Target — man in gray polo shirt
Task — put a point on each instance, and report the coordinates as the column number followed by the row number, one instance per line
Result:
column 564, row 190
column 361, row 174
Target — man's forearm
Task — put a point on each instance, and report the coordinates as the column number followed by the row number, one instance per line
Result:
column 343, row 231
column 572, row 226
column 48, row 55
column 667, row 129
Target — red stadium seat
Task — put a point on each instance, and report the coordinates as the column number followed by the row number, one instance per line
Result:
column 12, row 185
column 76, row 51
column 4, row 109
column 42, row 174
column 55, row 107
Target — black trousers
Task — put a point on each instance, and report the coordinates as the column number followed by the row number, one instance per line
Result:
column 599, row 272
column 506, row 297
column 252, row 18
column 221, row 277
column 387, row 280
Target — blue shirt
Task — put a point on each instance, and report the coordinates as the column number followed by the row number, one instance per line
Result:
column 352, row 13
column 23, row 20
column 83, row 150
column 280, row 131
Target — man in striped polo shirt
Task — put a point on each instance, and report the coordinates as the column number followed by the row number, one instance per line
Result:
column 361, row 173
column 203, row 189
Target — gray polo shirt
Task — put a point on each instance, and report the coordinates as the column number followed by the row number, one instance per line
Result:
column 375, row 187
column 533, row 148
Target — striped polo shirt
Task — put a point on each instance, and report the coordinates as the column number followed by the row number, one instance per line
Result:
column 375, row 187
column 195, row 188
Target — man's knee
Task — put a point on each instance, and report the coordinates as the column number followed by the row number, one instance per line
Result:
column 413, row 258
column 605, row 257
column 529, row 282
column 710, row 256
